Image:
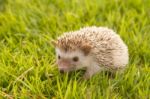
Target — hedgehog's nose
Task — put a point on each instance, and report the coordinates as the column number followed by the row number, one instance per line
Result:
column 61, row 71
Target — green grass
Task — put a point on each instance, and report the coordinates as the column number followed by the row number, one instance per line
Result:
column 27, row 59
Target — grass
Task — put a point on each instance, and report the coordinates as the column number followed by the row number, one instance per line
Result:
column 27, row 59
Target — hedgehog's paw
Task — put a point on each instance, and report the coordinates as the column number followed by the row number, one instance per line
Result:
column 91, row 70
column 86, row 76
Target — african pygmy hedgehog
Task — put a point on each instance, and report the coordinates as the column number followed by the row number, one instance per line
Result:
column 95, row 48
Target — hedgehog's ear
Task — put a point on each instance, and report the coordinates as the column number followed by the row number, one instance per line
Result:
column 54, row 43
column 86, row 49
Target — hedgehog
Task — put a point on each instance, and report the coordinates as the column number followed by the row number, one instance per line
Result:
column 93, row 48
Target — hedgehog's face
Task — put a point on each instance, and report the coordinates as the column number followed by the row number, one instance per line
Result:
column 68, row 61
column 72, row 55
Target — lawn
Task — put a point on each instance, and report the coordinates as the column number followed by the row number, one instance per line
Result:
column 27, row 58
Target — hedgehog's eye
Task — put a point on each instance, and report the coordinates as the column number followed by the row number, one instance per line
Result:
column 75, row 59
column 59, row 57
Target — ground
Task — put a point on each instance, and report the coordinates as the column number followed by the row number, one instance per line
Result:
column 27, row 58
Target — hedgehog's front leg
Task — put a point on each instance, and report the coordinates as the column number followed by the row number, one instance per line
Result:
column 91, row 70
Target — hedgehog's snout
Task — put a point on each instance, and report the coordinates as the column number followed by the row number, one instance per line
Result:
column 63, row 66
column 61, row 71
